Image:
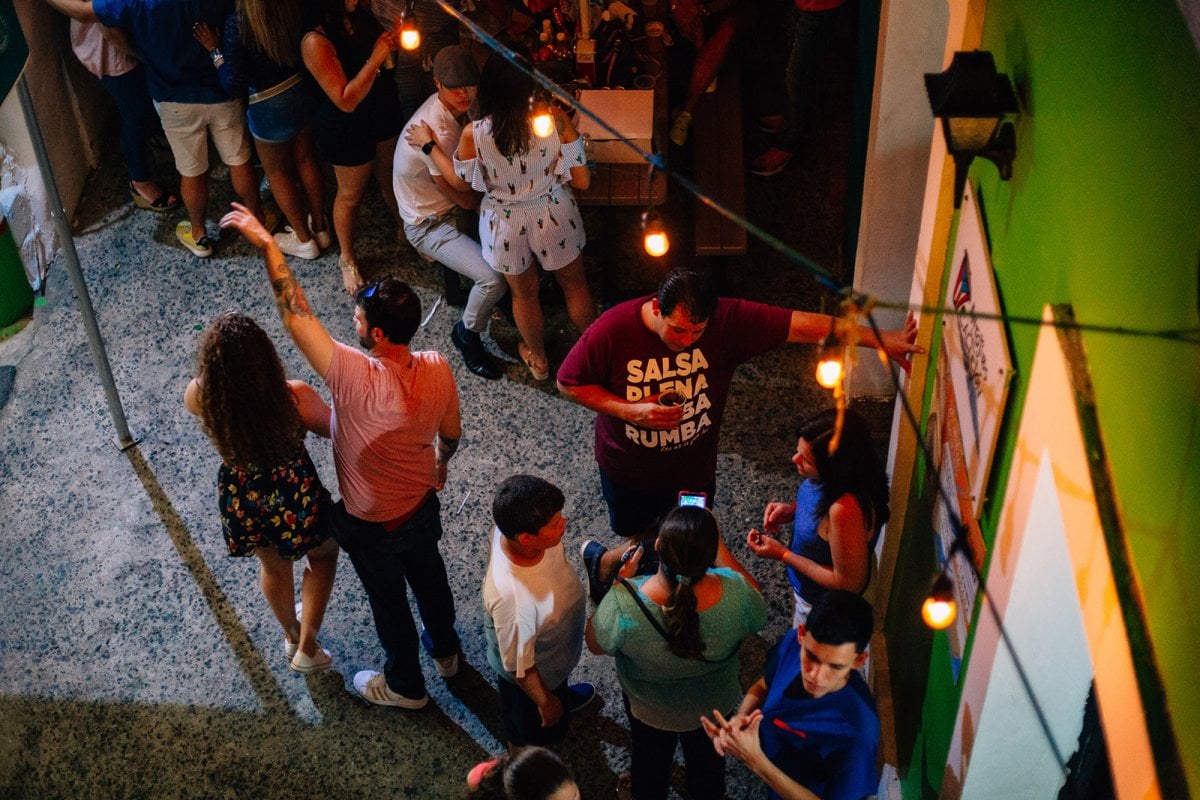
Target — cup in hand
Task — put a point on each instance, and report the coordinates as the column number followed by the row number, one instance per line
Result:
column 671, row 397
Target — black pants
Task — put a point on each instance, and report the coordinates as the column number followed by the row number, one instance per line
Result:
column 654, row 751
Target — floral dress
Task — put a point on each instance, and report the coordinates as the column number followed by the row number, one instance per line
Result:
column 279, row 507
column 528, row 211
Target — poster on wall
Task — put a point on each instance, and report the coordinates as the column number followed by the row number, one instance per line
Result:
column 980, row 366
column 957, row 517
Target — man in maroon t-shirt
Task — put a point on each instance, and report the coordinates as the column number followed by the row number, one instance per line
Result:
column 686, row 340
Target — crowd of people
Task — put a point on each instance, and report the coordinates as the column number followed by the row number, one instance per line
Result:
column 304, row 83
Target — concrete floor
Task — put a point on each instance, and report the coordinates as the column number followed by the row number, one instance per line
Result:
column 138, row 660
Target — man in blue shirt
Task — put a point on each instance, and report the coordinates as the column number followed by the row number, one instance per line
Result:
column 808, row 728
column 183, row 82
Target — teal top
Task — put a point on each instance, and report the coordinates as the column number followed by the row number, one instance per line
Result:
column 665, row 691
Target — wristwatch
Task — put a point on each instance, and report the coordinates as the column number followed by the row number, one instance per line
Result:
column 427, row 148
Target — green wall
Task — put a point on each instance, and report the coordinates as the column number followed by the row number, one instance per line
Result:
column 1103, row 212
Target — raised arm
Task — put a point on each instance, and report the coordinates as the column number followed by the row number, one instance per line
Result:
column 648, row 414
column 76, row 9
column 298, row 319
column 900, row 343
column 344, row 90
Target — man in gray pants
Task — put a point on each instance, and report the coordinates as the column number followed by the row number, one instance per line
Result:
column 429, row 206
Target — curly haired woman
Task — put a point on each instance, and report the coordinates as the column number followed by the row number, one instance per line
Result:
column 271, row 497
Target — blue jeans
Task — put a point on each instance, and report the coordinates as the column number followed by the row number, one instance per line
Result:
column 139, row 120
column 810, row 34
column 388, row 562
column 440, row 239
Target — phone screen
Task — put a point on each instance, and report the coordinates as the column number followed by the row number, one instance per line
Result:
column 693, row 499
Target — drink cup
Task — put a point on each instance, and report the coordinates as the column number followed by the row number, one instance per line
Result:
column 654, row 36
column 670, row 398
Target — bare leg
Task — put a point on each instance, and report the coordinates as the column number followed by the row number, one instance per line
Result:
column 245, row 184
column 711, row 56
column 350, row 184
column 314, row 592
column 194, row 190
column 280, row 166
column 527, row 312
column 278, row 587
column 311, row 178
column 580, row 306
column 384, row 153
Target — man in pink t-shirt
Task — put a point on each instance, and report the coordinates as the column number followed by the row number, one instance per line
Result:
column 395, row 425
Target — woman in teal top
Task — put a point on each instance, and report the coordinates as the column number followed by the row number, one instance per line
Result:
column 677, row 656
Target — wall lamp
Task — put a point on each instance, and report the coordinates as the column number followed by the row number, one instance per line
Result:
column 971, row 99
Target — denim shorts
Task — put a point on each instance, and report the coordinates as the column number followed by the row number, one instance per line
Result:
column 279, row 118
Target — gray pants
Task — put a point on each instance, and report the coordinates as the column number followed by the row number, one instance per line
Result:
column 440, row 239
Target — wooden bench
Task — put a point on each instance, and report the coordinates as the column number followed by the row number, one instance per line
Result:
column 717, row 166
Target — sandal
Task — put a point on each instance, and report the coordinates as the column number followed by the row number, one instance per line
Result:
column 351, row 277
column 540, row 370
column 164, row 202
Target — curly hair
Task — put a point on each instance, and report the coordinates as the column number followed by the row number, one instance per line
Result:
column 529, row 773
column 687, row 547
column 853, row 469
column 247, row 408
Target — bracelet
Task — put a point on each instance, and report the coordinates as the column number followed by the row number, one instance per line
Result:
column 218, row 58
column 427, row 148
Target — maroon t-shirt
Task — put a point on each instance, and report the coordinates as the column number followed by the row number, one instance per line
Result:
column 621, row 354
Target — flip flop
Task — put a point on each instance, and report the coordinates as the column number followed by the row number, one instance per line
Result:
column 164, row 202
column 539, row 371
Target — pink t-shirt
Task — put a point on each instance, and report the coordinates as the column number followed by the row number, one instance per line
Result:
column 385, row 418
column 101, row 57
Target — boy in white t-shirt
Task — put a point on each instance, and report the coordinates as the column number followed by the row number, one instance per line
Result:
column 534, row 613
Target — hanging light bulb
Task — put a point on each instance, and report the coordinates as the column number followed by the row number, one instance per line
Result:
column 654, row 234
column 540, row 117
column 830, row 366
column 410, row 37
column 939, row 609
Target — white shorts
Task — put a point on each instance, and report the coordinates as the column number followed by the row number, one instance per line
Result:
column 188, row 126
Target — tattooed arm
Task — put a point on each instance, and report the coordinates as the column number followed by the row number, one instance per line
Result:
column 305, row 329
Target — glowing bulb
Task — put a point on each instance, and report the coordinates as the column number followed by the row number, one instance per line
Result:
column 543, row 124
column 939, row 609
column 654, row 234
column 829, row 366
column 410, row 37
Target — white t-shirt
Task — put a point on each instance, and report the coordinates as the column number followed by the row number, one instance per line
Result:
column 533, row 616
column 417, row 195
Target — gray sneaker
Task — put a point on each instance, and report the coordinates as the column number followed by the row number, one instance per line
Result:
column 289, row 243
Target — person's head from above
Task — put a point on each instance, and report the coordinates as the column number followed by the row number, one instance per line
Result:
column 528, row 511
column 853, row 467
column 456, row 76
column 682, row 308
column 528, row 773
column 687, row 549
column 833, row 641
column 247, row 408
column 272, row 27
column 504, row 92
column 386, row 311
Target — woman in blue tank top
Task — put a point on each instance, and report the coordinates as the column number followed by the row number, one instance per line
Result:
column 839, row 509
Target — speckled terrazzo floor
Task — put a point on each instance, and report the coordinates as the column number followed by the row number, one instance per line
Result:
column 137, row 660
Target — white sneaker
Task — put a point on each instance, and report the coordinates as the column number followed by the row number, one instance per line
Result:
column 291, row 245
column 373, row 687
column 318, row 661
column 324, row 238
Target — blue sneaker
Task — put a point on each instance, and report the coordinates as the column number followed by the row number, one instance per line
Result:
column 581, row 694
column 591, row 551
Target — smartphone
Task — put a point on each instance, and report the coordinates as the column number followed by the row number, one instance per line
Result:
column 693, row 499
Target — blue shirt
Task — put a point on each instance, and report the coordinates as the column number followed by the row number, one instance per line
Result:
column 827, row 744
column 807, row 541
column 178, row 68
